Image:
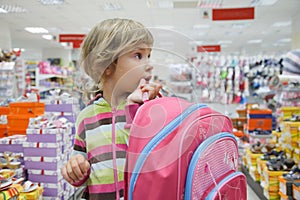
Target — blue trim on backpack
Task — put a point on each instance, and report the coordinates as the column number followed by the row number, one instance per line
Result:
column 156, row 140
column 214, row 190
column 201, row 148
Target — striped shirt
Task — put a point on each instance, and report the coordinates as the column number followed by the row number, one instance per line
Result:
column 94, row 141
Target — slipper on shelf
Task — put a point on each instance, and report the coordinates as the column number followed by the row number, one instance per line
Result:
column 3, row 163
column 29, row 186
column 12, row 160
column 257, row 147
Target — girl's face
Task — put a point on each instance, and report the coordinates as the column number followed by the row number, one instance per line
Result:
column 131, row 67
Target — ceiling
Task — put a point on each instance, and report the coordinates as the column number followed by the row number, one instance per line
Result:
column 174, row 27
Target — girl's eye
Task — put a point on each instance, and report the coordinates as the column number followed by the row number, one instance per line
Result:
column 138, row 55
column 149, row 55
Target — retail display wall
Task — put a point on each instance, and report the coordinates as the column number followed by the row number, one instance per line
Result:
column 37, row 122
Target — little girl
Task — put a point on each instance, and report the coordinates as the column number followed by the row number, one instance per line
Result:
column 115, row 54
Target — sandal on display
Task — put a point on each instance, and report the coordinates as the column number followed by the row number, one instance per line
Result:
column 29, row 186
column 257, row 147
column 12, row 160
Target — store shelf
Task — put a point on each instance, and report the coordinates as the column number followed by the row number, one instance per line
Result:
column 253, row 184
column 46, row 76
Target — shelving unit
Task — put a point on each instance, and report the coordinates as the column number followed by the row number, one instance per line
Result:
column 20, row 76
column 182, row 81
column 7, row 80
column 42, row 77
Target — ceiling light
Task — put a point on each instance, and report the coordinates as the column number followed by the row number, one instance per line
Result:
column 52, row 2
column 225, row 42
column 233, row 33
column 3, row 10
column 36, row 30
column 47, row 37
column 112, row 6
column 210, row 3
column 263, row 2
column 240, row 25
column 12, row 9
column 285, row 40
column 165, row 4
column 254, row 41
column 282, row 24
column 64, row 44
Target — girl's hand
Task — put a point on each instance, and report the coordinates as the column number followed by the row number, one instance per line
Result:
column 76, row 169
column 151, row 89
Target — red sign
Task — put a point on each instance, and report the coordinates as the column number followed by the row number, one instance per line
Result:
column 233, row 13
column 209, row 48
column 76, row 39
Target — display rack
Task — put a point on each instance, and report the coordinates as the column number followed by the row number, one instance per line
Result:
column 41, row 77
column 20, row 76
column 255, row 186
column 7, row 80
column 182, row 81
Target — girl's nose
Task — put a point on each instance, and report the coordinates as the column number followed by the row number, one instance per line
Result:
column 149, row 66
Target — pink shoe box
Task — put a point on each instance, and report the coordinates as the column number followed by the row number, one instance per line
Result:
column 43, row 149
column 46, row 163
column 44, row 176
column 12, row 143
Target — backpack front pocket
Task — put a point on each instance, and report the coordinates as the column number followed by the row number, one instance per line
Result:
column 232, row 187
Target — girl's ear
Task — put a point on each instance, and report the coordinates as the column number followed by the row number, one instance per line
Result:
column 109, row 70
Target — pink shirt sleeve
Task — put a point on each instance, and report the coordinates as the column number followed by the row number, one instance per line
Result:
column 130, row 111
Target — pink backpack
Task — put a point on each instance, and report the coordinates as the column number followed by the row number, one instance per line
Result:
column 182, row 150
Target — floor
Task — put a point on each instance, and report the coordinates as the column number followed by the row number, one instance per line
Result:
column 251, row 194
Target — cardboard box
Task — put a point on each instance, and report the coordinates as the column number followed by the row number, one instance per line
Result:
column 45, row 163
column 44, row 176
column 42, row 149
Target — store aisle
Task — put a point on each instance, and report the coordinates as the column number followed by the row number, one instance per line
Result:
column 251, row 194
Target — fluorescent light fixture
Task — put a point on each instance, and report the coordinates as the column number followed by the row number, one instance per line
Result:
column 199, row 42
column 254, row 41
column 64, row 44
column 200, row 33
column 225, row 42
column 263, row 2
column 233, row 33
column 282, row 24
column 210, row 3
column 285, row 40
column 112, row 6
column 11, row 9
column 201, row 26
column 36, row 30
column 52, row 2
column 47, row 37
column 240, row 25
column 165, row 4
column 3, row 10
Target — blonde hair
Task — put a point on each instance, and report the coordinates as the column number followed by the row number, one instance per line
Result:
column 107, row 41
